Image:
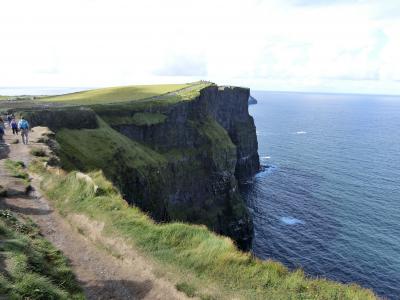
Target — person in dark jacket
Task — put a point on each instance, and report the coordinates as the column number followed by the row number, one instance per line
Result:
column 14, row 126
column 1, row 133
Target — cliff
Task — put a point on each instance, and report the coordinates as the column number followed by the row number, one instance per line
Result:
column 177, row 160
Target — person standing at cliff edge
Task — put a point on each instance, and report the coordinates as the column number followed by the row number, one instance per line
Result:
column 23, row 125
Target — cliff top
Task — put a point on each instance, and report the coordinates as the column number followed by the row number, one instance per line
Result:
column 121, row 94
column 139, row 96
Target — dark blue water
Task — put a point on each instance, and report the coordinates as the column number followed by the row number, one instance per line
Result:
column 330, row 200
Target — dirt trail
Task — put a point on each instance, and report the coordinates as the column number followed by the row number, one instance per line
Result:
column 102, row 275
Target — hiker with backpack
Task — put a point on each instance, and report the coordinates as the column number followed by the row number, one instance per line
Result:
column 23, row 125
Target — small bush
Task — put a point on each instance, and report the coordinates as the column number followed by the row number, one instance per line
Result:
column 40, row 152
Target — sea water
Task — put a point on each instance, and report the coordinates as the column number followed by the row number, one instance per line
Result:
column 39, row 91
column 328, row 200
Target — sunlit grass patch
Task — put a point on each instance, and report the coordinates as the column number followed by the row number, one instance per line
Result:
column 115, row 94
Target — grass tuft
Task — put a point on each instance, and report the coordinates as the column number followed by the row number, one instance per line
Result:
column 186, row 288
column 17, row 169
column 40, row 152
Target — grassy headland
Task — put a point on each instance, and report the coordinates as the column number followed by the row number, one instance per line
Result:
column 206, row 259
column 31, row 268
column 115, row 94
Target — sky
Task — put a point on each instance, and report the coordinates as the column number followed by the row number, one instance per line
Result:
column 281, row 45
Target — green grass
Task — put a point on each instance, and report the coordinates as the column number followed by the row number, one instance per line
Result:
column 4, row 97
column 115, row 94
column 186, row 288
column 31, row 268
column 17, row 169
column 205, row 258
column 100, row 147
column 139, row 119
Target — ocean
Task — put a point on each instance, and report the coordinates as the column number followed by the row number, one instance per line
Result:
column 39, row 91
column 328, row 200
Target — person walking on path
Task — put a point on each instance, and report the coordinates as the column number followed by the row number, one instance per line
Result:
column 23, row 125
column 14, row 126
column 2, row 125
column 1, row 133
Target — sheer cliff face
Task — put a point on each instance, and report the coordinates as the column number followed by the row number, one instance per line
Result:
column 230, row 108
column 225, row 105
column 211, row 146
column 188, row 161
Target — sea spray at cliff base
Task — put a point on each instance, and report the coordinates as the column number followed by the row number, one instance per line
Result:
column 331, row 204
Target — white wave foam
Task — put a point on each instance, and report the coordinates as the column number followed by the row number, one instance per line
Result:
column 301, row 132
column 291, row 221
column 265, row 157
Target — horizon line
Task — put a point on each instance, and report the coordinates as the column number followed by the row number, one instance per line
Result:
column 251, row 90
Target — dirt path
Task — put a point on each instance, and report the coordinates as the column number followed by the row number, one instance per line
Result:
column 101, row 274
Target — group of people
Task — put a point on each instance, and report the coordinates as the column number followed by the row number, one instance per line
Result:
column 16, row 126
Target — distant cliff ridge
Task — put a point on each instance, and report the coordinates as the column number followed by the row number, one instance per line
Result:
column 252, row 100
column 177, row 160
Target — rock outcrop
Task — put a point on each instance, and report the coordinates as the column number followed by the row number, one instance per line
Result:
column 199, row 152
column 252, row 100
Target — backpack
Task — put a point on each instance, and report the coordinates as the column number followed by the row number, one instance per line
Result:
column 23, row 124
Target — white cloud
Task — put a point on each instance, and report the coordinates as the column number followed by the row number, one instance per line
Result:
column 270, row 44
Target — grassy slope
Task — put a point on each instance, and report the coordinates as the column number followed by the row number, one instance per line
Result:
column 115, row 94
column 95, row 147
column 120, row 157
column 139, row 119
column 31, row 268
column 207, row 259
